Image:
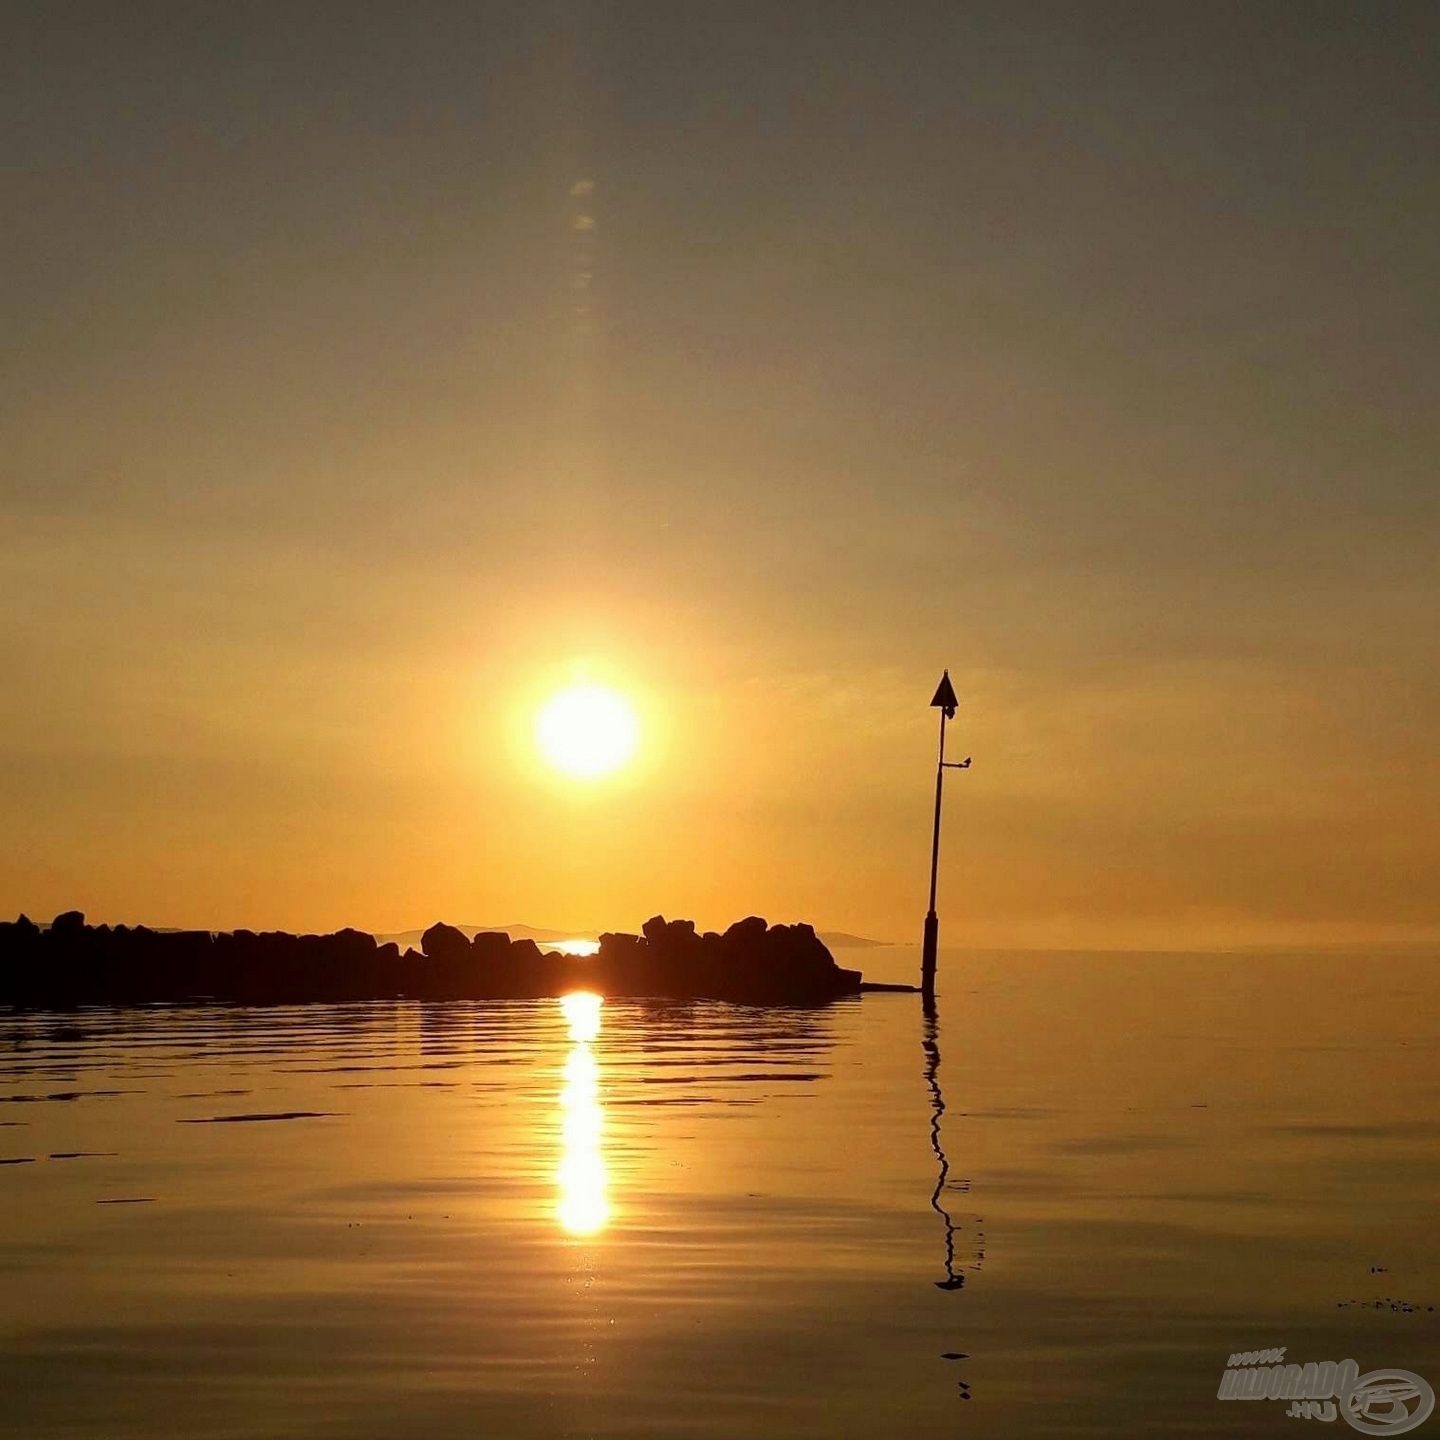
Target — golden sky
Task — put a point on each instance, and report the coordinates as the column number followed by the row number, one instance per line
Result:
column 375, row 373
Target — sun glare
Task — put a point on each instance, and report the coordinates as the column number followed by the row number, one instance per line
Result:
column 587, row 731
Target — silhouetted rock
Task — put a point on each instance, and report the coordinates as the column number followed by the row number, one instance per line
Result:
column 524, row 950
column 490, row 948
column 445, row 942
column 749, row 931
column 71, row 922
column 669, row 935
column 19, row 931
column 612, row 944
column 355, row 942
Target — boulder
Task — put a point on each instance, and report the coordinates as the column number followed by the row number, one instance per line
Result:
column 444, row 942
column 617, row 944
column 490, row 947
column 354, row 942
column 749, row 931
column 526, row 951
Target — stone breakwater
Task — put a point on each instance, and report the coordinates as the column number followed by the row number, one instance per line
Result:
column 70, row 963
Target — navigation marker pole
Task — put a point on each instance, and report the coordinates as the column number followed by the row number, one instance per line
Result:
column 945, row 702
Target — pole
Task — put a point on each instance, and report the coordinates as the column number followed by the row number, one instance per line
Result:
column 932, row 921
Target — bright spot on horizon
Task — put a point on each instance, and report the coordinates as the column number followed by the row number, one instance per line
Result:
column 587, row 731
column 582, row 949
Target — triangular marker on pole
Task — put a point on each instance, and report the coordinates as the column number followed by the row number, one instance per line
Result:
column 945, row 696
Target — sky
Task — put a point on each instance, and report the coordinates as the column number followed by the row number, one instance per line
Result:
column 374, row 371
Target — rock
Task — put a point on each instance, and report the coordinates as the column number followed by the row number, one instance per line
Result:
column 71, row 922
column 490, row 947
column 618, row 943
column 444, row 942
column 670, row 939
column 749, row 931
column 355, row 942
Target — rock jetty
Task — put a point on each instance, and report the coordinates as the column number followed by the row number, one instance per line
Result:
column 69, row 963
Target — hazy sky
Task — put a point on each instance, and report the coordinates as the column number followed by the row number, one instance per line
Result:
column 371, row 370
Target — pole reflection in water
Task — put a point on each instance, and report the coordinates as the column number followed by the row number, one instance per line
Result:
column 582, row 1206
column 930, row 1042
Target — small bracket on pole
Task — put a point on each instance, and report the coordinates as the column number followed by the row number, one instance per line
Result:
column 957, row 764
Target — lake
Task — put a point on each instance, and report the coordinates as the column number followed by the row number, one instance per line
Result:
column 1055, row 1211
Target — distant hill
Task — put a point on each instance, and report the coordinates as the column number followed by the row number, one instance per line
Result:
column 538, row 934
column 541, row 935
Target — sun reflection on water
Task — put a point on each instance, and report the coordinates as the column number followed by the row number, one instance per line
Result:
column 583, row 1207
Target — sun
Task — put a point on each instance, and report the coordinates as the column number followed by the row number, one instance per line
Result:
column 587, row 731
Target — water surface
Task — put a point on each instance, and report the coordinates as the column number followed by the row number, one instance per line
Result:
column 1056, row 1211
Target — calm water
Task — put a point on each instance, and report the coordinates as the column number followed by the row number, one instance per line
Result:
column 547, row 1219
